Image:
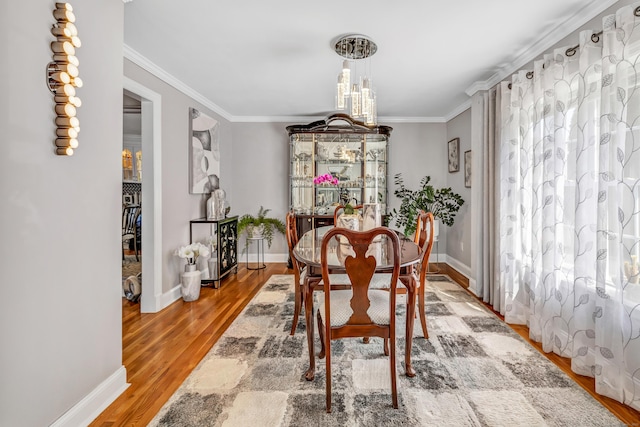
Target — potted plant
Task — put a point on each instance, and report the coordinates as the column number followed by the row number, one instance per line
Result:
column 350, row 218
column 443, row 203
column 261, row 225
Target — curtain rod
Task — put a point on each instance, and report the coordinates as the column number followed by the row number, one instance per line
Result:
column 595, row 37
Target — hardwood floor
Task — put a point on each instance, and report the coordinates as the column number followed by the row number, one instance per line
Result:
column 161, row 349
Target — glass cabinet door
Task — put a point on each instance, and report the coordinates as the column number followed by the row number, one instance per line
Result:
column 302, row 173
column 333, row 165
column 375, row 172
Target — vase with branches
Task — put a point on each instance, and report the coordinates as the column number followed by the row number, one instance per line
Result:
column 443, row 203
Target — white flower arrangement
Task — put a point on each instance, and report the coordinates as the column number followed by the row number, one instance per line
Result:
column 192, row 252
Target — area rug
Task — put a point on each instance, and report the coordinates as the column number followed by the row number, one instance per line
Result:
column 130, row 267
column 472, row 371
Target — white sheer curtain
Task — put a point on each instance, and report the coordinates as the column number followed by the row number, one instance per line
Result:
column 569, row 185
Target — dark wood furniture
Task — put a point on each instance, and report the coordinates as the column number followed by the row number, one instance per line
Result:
column 424, row 239
column 292, row 240
column 305, row 222
column 226, row 232
column 350, row 152
column 359, row 310
column 307, row 251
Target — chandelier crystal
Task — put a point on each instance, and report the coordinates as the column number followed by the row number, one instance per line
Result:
column 356, row 95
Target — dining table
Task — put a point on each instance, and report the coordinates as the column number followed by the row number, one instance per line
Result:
column 307, row 251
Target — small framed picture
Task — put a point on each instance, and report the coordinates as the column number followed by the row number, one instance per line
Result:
column 453, row 150
column 467, row 169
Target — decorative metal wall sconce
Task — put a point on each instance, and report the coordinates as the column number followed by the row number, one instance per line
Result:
column 62, row 78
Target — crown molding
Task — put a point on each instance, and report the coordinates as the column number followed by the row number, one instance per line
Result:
column 277, row 119
column 138, row 59
column 309, row 119
column 144, row 63
column 534, row 50
column 458, row 110
column 392, row 119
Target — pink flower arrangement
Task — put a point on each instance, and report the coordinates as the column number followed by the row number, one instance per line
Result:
column 326, row 178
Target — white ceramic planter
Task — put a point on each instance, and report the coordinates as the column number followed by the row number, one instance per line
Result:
column 190, row 283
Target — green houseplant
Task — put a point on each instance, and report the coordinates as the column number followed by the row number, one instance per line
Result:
column 261, row 225
column 443, row 203
column 349, row 210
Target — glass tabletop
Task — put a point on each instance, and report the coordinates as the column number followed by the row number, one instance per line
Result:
column 308, row 248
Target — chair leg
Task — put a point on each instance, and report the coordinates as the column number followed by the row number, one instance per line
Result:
column 135, row 246
column 298, row 307
column 328, row 371
column 386, row 346
column 392, row 363
column 321, row 334
column 421, row 308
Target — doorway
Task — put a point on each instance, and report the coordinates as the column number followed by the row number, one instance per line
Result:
column 131, row 196
column 150, row 197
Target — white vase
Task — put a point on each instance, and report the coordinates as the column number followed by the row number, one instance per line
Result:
column 349, row 221
column 190, row 283
column 371, row 216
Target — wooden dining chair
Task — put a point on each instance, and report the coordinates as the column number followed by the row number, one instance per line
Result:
column 301, row 275
column 424, row 239
column 422, row 228
column 298, row 268
column 339, row 211
column 359, row 311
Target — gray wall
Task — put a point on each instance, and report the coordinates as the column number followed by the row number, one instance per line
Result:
column 261, row 173
column 417, row 150
column 60, row 312
column 178, row 206
column 261, row 167
column 459, row 235
column 260, row 177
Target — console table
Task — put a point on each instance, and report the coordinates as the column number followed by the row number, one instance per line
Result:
column 226, row 231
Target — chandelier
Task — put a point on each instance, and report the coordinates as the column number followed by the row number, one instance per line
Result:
column 355, row 94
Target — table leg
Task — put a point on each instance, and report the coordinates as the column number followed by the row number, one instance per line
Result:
column 308, row 317
column 411, row 311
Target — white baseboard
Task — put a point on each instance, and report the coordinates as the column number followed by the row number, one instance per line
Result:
column 463, row 269
column 170, row 297
column 472, row 287
column 267, row 258
column 92, row 405
column 458, row 266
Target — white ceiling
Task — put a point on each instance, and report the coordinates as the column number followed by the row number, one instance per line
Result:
column 255, row 60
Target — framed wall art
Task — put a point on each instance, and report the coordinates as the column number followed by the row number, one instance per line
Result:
column 467, row 169
column 453, row 150
column 204, row 151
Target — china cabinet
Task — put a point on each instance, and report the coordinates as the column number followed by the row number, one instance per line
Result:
column 336, row 161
